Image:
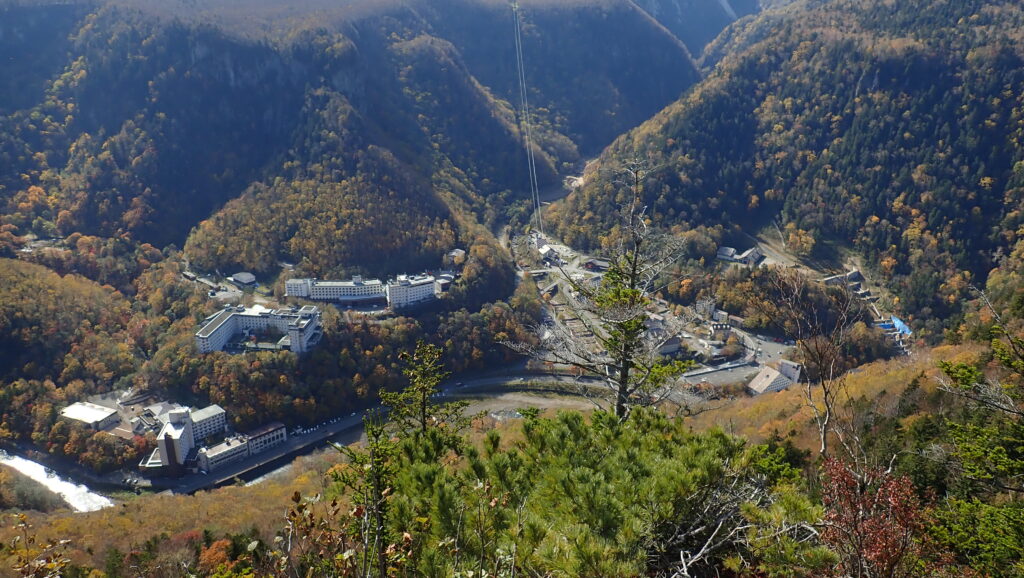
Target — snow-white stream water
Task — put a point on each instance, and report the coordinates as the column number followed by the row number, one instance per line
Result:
column 76, row 495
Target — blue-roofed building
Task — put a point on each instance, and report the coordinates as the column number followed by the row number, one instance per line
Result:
column 900, row 326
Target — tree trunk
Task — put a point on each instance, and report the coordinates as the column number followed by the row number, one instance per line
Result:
column 378, row 513
column 622, row 388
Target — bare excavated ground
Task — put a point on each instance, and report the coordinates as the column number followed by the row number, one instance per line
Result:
column 508, row 402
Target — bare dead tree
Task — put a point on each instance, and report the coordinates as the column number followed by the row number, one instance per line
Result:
column 608, row 337
column 719, row 523
column 980, row 453
column 981, row 390
column 821, row 332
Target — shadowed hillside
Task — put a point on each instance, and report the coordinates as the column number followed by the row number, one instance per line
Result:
column 891, row 129
column 153, row 116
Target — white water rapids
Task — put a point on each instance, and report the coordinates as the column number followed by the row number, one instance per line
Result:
column 76, row 495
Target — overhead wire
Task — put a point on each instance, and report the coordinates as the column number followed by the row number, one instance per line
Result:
column 527, row 125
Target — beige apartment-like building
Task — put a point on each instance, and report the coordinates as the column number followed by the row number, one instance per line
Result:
column 226, row 452
column 771, row 379
column 266, row 436
column 206, row 422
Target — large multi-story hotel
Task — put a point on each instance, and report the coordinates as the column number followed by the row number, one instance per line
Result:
column 184, row 431
column 401, row 292
column 206, row 422
column 175, row 440
column 358, row 289
column 300, row 326
column 409, row 290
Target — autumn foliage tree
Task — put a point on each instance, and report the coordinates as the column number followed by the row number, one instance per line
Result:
column 216, row 555
column 875, row 521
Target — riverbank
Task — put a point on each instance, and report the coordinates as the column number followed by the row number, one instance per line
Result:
column 484, row 384
column 20, row 493
column 69, row 469
column 78, row 497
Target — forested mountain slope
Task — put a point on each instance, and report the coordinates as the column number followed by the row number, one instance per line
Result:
column 148, row 118
column 697, row 22
column 892, row 128
column 43, row 315
column 345, row 137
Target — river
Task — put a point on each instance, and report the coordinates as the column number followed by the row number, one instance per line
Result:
column 81, row 499
column 76, row 495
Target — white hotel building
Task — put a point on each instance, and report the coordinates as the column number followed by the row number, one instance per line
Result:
column 230, row 450
column 404, row 291
column 301, row 327
column 206, row 422
column 176, row 438
column 184, row 429
column 410, row 290
column 358, row 289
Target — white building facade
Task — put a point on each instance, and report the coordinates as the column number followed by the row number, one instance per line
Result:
column 267, row 436
column 210, row 420
column 409, row 290
column 301, row 327
column 358, row 289
column 770, row 379
column 230, row 450
column 176, row 439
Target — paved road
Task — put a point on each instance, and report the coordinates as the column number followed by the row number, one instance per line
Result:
column 770, row 350
column 481, row 385
column 349, row 427
column 293, row 446
column 485, row 389
column 760, row 350
column 730, row 376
